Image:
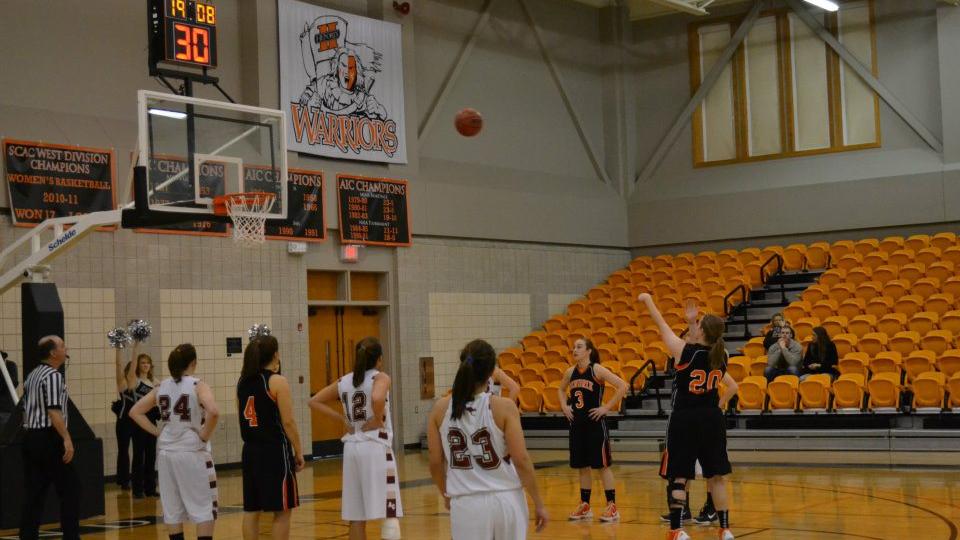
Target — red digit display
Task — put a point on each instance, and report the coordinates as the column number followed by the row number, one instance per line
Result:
column 189, row 32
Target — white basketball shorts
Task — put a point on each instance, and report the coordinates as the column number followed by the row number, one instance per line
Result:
column 496, row 515
column 371, row 487
column 188, row 487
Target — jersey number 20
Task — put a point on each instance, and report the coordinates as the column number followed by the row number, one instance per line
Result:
column 702, row 382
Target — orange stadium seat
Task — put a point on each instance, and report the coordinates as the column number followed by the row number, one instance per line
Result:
column 597, row 293
column 854, row 362
column 658, row 352
column 951, row 254
column 748, row 255
column 804, row 327
column 901, row 257
column 757, row 365
column 938, row 341
column 716, row 303
column 608, row 393
column 909, row 305
column 529, row 375
column 641, row 263
column 884, row 389
column 912, row 272
column 814, row 294
column 536, row 385
column 630, row 352
column 833, row 276
column 848, row 392
column 796, row 310
column 840, row 248
column 940, row 303
column 917, row 242
column 845, row 343
column 943, row 240
column 951, row 321
column 552, row 374
column 619, row 277
column 919, row 362
column 754, row 273
column 578, row 322
column 873, row 343
column 556, row 338
column 835, row 325
column 551, row 399
column 683, row 274
column 867, row 245
column 794, row 257
column 851, row 307
column 726, row 256
column 928, row 256
column 868, row 290
column 815, row 392
column 953, row 386
column 941, row 270
column 848, row 261
column 817, row 255
column 951, row 285
column 712, row 285
column 860, row 325
column 874, row 260
column 949, row 362
column 532, row 356
column 841, row 291
column 896, row 288
column 820, row 310
column 928, row 390
column 887, row 362
column 533, row 339
column 738, row 367
column 923, row 322
column 704, row 258
column 890, row 244
column 752, row 394
column 754, row 348
column 530, row 399
column 557, row 322
column 883, row 274
column 782, row 392
column 879, row 306
column 892, row 323
column 628, row 371
column 925, row 287
column 608, row 352
column 904, row 342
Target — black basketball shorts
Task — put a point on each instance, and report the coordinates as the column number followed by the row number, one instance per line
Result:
column 269, row 478
column 695, row 434
column 589, row 444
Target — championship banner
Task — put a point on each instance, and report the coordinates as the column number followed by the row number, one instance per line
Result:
column 373, row 211
column 212, row 180
column 51, row 180
column 305, row 221
column 341, row 84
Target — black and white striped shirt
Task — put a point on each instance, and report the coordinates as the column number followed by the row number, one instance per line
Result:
column 44, row 389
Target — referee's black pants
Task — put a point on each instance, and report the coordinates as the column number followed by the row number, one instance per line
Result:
column 43, row 465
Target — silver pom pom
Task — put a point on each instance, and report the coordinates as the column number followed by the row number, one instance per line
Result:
column 258, row 330
column 118, row 337
column 139, row 329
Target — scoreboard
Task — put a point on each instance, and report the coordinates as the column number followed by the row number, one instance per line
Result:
column 183, row 32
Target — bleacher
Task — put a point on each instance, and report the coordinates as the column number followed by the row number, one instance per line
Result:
column 891, row 306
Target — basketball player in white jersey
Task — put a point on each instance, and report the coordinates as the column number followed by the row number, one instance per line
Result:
column 188, row 417
column 371, row 487
column 500, row 381
column 478, row 457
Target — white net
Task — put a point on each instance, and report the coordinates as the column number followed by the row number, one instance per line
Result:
column 249, row 212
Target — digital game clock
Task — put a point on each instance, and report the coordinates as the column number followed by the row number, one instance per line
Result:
column 183, row 32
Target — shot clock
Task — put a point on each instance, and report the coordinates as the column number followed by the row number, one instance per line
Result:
column 183, row 32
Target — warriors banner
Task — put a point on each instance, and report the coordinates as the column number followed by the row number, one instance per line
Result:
column 341, row 84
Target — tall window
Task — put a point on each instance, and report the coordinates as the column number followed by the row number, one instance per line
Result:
column 786, row 93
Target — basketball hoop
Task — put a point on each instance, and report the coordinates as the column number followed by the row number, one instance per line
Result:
column 249, row 212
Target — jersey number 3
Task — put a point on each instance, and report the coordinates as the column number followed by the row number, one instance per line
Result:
column 459, row 456
column 702, row 382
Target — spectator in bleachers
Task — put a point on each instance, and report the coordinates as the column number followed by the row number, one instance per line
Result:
column 776, row 324
column 821, row 355
column 784, row 356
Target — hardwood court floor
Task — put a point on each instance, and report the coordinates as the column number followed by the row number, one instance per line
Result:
column 768, row 502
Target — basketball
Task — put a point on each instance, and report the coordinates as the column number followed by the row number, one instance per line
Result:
column 468, row 122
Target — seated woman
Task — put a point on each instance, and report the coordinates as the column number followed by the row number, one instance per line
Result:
column 776, row 323
column 821, row 355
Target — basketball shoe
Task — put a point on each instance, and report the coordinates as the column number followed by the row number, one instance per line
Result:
column 708, row 514
column 678, row 535
column 611, row 513
column 390, row 529
column 725, row 534
column 582, row 512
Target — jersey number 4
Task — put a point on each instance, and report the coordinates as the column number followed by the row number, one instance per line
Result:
column 459, row 457
column 702, row 382
column 250, row 413
column 181, row 408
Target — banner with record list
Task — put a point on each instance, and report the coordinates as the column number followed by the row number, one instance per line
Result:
column 50, row 180
column 212, row 179
column 305, row 221
column 373, row 211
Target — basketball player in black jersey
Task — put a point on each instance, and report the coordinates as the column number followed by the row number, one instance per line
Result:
column 696, row 430
column 271, row 442
column 589, row 439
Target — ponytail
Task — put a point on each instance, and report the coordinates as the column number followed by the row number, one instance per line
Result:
column 713, row 328
column 477, row 362
column 258, row 355
column 368, row 352
column 180, row 360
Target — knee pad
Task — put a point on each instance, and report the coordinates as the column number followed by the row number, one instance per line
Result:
column 672, row 486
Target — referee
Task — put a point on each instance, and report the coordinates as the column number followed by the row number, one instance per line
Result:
column 47, row 447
